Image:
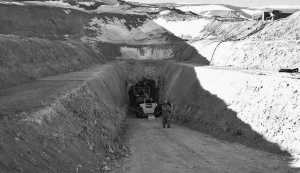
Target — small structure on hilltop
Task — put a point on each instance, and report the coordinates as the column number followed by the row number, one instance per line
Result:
column 270, row 15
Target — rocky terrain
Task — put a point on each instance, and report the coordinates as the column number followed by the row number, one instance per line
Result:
column 66, row 69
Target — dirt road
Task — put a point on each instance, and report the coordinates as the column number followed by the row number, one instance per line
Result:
column 179, row 149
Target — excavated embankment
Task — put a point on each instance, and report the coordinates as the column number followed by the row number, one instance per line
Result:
column 27, row 59
column 260, row 45
column 80, row 120
column 68, row 123
column 257, row 107
column 260, row 55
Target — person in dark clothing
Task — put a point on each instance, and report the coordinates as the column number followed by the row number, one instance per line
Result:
column 166, row 112
column 169, row 104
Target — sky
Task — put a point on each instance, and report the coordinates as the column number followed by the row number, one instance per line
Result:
column 241, row 3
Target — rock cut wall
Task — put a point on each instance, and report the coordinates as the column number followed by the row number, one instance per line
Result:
column 77, row 131
column 215, row 102
column 260, row 55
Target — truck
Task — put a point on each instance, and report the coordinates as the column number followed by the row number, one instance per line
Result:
column 145, row 106
column 148, row 108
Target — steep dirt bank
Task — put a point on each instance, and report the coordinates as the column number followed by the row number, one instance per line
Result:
column 283, row 29
column 67, row 123
column 27, row 59
column 259, row 45
column 266, row 45
column 246, row 105
column 57, row 23
column 261, row 55
column 92, row 27
column 42, row 21
column 231, row 30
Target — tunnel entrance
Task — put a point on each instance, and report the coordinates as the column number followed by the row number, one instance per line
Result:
column 143, row 97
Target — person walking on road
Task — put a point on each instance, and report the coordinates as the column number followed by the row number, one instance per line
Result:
column 166, row 116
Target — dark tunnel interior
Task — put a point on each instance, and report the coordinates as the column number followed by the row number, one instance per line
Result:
column 144, row 91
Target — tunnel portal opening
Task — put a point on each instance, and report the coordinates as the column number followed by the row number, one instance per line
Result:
column 144, row 98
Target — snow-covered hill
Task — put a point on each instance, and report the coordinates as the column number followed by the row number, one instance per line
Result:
column 280, row 7
column 198, row 9
column 218, row 10
column 222, row 10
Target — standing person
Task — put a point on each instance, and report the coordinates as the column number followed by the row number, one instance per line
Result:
column 166, row 110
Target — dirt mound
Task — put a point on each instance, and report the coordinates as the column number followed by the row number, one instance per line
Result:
column 42, row 21
column 111, row 2
column 177, row 17
column 56, row 23
column 262, row 45
column 266, row 55
column 231, row 30
column 283, row 29
column 27, row 59
column 68, row 123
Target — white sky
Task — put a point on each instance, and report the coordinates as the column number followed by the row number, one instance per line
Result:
column 241, row 3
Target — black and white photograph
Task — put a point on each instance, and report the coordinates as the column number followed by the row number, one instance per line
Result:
column 149, row 86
